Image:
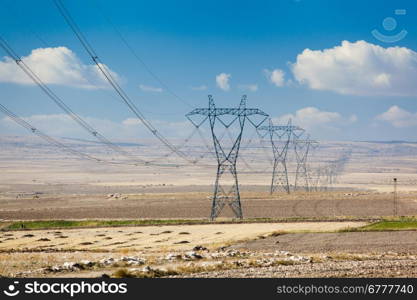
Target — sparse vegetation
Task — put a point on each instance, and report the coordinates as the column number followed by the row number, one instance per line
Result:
column 389, row 224
column 64, row 224
column 93, row 223
column 153, row 273
column 123, row 273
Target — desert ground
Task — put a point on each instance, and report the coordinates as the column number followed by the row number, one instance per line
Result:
column 320, row 233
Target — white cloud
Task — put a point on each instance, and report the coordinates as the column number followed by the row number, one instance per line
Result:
column 131, row 122
column 249, row 87
column 199, row 88
column 359, row 68
column 313, row 118
column 57, row 65
column 398, row 117
column 148, row 88
column 222, row 81
column 276, row 76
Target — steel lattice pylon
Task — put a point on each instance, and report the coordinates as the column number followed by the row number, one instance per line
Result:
column 226, row 158
column 280, row 138
column 301, row 149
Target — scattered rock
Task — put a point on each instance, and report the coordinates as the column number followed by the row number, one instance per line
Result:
column 107, row 261
column 72, row 266
column 133, row 260
column 147, row 269
column 87, row 263
column 173, row 256
column 296, row 258
column 199, row 248
column 192, row 255
column 44, row 240
column 233, row 253
column 182, row 242
column 66, row 266
column 116, row 196
column 27, row 235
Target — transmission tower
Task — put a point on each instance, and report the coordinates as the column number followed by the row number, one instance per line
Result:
column 301, row 149
column 226, row 156
column 280, row 138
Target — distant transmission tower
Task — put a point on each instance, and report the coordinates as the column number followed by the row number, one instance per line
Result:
column 226, row 156
column 280, row 138
column 302, row 148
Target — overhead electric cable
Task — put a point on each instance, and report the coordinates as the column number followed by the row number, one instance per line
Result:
column 58, row 101
column 57, row 143
column 110, row 78
column 138, row 58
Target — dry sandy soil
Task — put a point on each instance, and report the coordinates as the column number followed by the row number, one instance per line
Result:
column 160, row 203
column 172, row 237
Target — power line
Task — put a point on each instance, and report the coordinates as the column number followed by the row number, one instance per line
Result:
column 60, row 145
column 46, row 44
column 109, row 77
column 58, row 101
column 226, row 156
column 138, row 58
column 47, row 138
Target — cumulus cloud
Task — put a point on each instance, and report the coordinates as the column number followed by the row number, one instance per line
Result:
column 57, row 65
column 313, row 118
column 248, row 87
column 359, row 68
column 148, row 88
column 222, row 81
column 199, row 88
column 276, row 76
column 398, row 117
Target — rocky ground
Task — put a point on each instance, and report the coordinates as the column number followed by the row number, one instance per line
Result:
column 350, row 256
column 394, row 266
column 202, row 262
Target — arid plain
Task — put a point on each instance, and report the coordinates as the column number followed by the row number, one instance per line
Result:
column 325, row 232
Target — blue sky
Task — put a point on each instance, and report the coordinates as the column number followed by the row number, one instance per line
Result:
column 338, row 91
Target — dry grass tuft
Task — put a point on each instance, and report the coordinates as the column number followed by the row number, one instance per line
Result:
column 153, row 273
